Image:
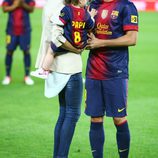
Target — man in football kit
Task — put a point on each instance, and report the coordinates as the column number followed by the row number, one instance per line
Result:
column 18, row 33
column 116, row 27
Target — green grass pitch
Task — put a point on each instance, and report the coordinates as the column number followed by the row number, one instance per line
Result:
column 27, row 118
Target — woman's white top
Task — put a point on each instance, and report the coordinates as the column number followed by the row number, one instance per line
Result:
column 69, row 63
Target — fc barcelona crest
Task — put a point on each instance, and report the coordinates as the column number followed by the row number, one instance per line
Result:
column 104, row 14
column 114, row 14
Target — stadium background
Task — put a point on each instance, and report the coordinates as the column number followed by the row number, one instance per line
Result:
column 27, row 118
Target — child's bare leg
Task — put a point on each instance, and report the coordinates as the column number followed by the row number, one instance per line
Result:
column 44, row 71
column 48, row 60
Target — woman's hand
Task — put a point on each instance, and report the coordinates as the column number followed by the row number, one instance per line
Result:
column 68, row 46
column 78, row 51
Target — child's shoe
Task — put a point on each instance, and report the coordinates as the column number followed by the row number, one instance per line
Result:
column 40, row 73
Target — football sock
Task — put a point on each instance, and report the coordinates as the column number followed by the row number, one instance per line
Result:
column 8, row 63
column 27, row 63
column 96, row 136
column 123, row 139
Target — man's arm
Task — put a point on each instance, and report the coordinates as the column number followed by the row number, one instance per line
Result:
column 129, row 39
column 7, row 8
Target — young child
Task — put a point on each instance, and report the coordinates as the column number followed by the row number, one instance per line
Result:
column 76, row 22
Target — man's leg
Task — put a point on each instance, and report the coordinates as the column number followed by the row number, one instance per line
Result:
column 95, row 109
column 96, row 136
column 11, row 44
column 122, row 136
column 27, row 62
column 24, row 42
column 8, row 62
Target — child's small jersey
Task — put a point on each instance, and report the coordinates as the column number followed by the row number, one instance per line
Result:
column 77, row 22
column 112, row 21
column 18, row 21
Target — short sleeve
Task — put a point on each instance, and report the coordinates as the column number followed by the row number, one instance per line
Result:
column 64, row 15
column 6, row 3
column 130, row 14
column 31, row 3
column 57, row 38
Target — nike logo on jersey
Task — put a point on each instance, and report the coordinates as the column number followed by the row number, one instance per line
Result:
column 120, row 110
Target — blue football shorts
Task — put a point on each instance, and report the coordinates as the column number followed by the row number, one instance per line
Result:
column 106, row 97
column 23, row 41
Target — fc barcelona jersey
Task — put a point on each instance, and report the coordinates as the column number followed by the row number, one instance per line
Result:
column 77, row 22
column 18, row 20
column 113, row 19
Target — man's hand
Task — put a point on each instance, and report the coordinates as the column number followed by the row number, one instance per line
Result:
column 17, row 3
column 93, row 12
column 23, row 3
column 10, row 8
column 93, row 42
column 26, row 6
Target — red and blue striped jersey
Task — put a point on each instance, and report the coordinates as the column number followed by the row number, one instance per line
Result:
column 77, row 22
column 113, row 19
column 18, row 20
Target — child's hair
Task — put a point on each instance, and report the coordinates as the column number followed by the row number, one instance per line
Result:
column 67, row 1
column 74, row 2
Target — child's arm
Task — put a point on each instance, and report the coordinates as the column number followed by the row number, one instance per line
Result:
column 28, row 6
column 10, row 8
